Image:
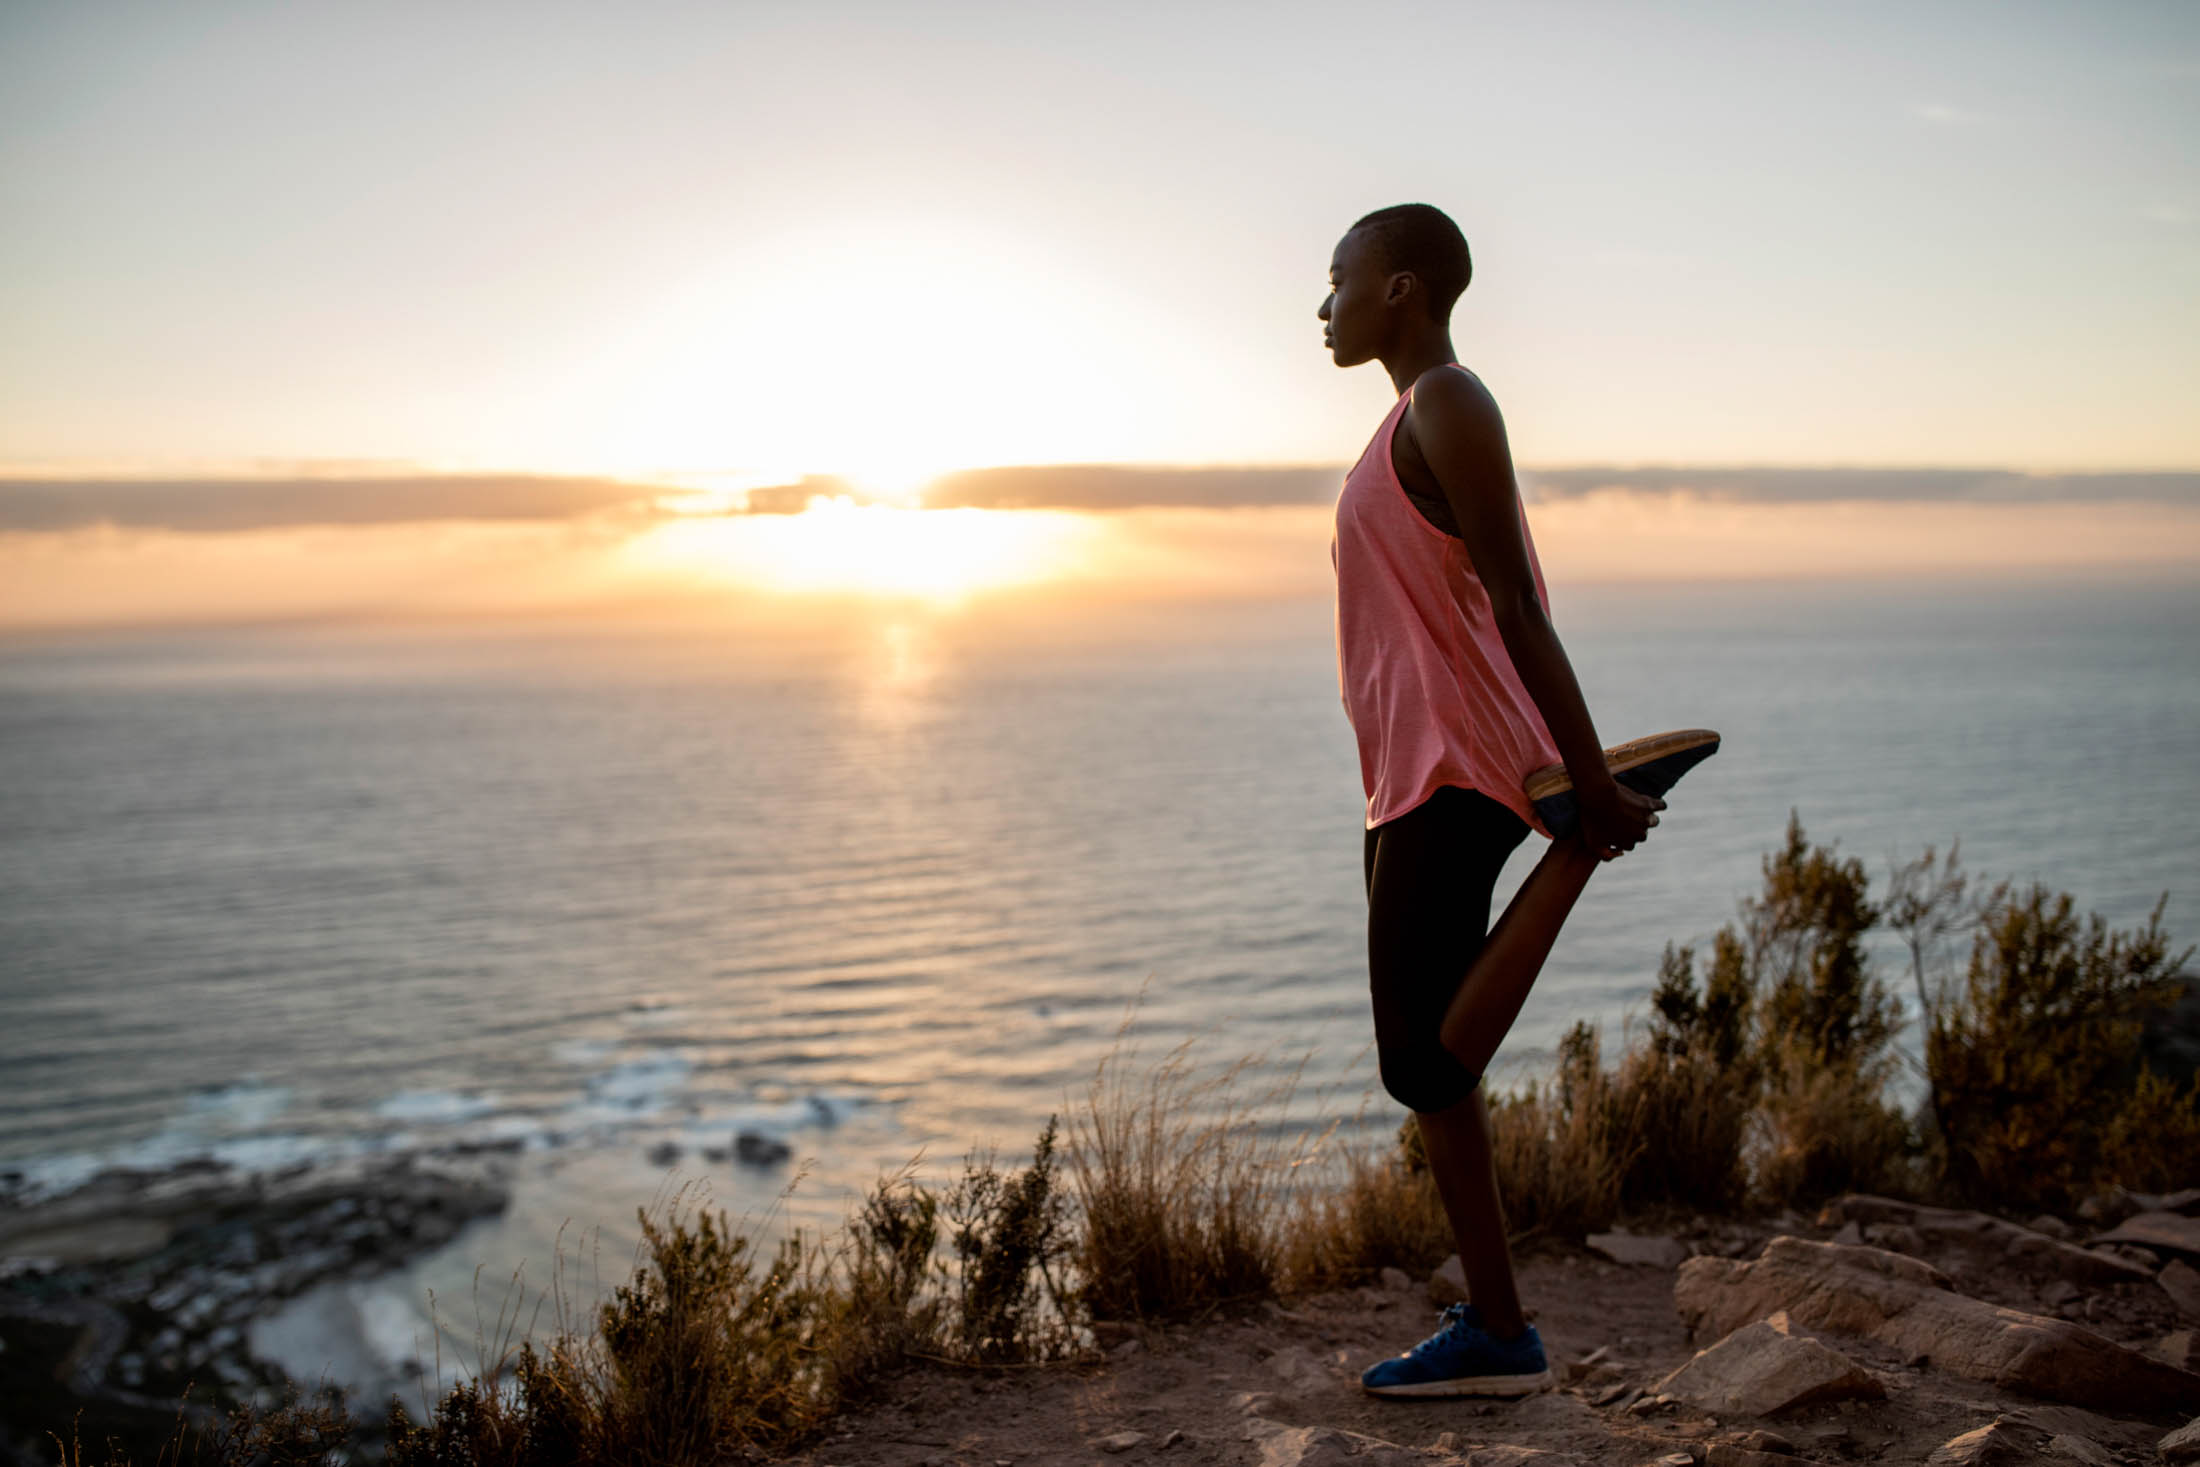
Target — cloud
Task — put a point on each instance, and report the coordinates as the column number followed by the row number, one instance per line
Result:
column 215, row 505
column 1818, row 486
column 267, row 503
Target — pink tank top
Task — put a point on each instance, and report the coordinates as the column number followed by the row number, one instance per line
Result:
column 1426, row 679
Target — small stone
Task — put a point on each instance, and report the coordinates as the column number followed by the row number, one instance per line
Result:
column 1254, row 1403
column 2053, row 1226
column 1127, row 1349
column 1397, row 1281
column 2060, row 1292
column 1677, row 1459
column 1896, row 1238
column 2181, row 1349
column 1997, row 1444
column 1649, row 1405
column 1640, row 1250
column 2081, row 1449
column 1768, row 1441
column 1448, row 1285
column 1614, row 1395
column 2183, row 1444
column 1122, row 1441
column 2181, row 1281
column 1849, row 1234
column 1171, row 1440
column 1447, row 1441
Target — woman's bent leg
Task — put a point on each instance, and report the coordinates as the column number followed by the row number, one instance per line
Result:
column 1482, row 1011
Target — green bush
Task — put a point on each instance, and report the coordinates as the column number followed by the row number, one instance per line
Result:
column 2038, row 1093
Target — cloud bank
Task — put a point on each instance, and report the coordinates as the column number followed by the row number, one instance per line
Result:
column 229, row 504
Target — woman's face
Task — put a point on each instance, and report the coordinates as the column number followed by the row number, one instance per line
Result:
column 1356, row 315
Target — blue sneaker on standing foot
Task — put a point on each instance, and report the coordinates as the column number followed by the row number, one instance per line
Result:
column 1462, row 1359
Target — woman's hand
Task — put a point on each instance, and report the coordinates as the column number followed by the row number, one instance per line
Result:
column 1614, row 818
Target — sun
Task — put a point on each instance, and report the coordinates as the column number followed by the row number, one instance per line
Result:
column 839, row 545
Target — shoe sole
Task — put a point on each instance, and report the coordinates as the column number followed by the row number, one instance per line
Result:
column 1479, row 1385
column 1648, row 766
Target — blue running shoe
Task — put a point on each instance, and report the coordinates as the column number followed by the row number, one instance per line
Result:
column 1462, row 1359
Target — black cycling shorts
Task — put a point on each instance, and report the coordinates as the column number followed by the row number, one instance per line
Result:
column 1430, row 876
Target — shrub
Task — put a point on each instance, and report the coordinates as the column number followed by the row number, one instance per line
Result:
column 2037, row 1089
column 1559, row 1160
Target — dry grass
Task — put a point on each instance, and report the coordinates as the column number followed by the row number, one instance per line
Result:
column 1182, row 1195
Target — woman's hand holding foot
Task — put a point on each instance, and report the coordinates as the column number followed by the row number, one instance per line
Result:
column 1614, row 818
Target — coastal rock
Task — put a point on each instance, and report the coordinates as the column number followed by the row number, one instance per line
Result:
column 757, row 1149
column 1448, row 1285
column 1762, row 1369
column 2163, row 1232
column 2181, row 1445
column 2181, row 1281
column 1647, row 1249
column 1325, row 1446
column 1911, row 1306
column 1904, row 1227
column 1121, row 1441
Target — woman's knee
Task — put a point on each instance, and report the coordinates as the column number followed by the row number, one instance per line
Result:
column 1426, row 1078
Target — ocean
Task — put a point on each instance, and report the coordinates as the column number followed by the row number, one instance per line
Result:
column 891, row 883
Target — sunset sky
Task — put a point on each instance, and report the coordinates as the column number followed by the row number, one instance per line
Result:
column 744, row 242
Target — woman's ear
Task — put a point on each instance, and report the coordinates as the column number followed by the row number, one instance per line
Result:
column 1399, row 287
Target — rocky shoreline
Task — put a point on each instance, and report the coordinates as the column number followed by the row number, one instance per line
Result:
column 122, row 1295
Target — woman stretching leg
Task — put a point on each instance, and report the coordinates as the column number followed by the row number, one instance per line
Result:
column 1458, row 690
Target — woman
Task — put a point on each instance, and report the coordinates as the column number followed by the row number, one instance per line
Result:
column 1460, row 697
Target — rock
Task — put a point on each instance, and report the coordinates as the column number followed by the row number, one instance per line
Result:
column 1997, row 1444
column 1643, row 1250
column 1172, row 1439
column 1762, row 1369
column 1551, row 1412
column 2181, row 1445
column 1254, row 1403
column 757, row 1149
column 2164, row 1232
column 1397, row 1281
column 1729, row 1454
column 1447, row 1441
column 2181, row 1349
column 1911, row 1306
column 1896, row 1238
column 1677, row 1459
column 1975, row 1232
column 1325, row 1446
column 1850, row 1234
column 1121, row 1441
column 664, row 1153
column 1576, row 1369
column 1510, row 1454
column 2181, row 1281
column 1448, row 1285
column 1298, row 1369
column 2053, row 1226
column 2081, row 1449
column 2060, row 1292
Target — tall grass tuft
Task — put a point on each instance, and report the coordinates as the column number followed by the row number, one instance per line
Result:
column 1180, row 1193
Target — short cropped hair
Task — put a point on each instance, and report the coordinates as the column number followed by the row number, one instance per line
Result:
column 1422, row 239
